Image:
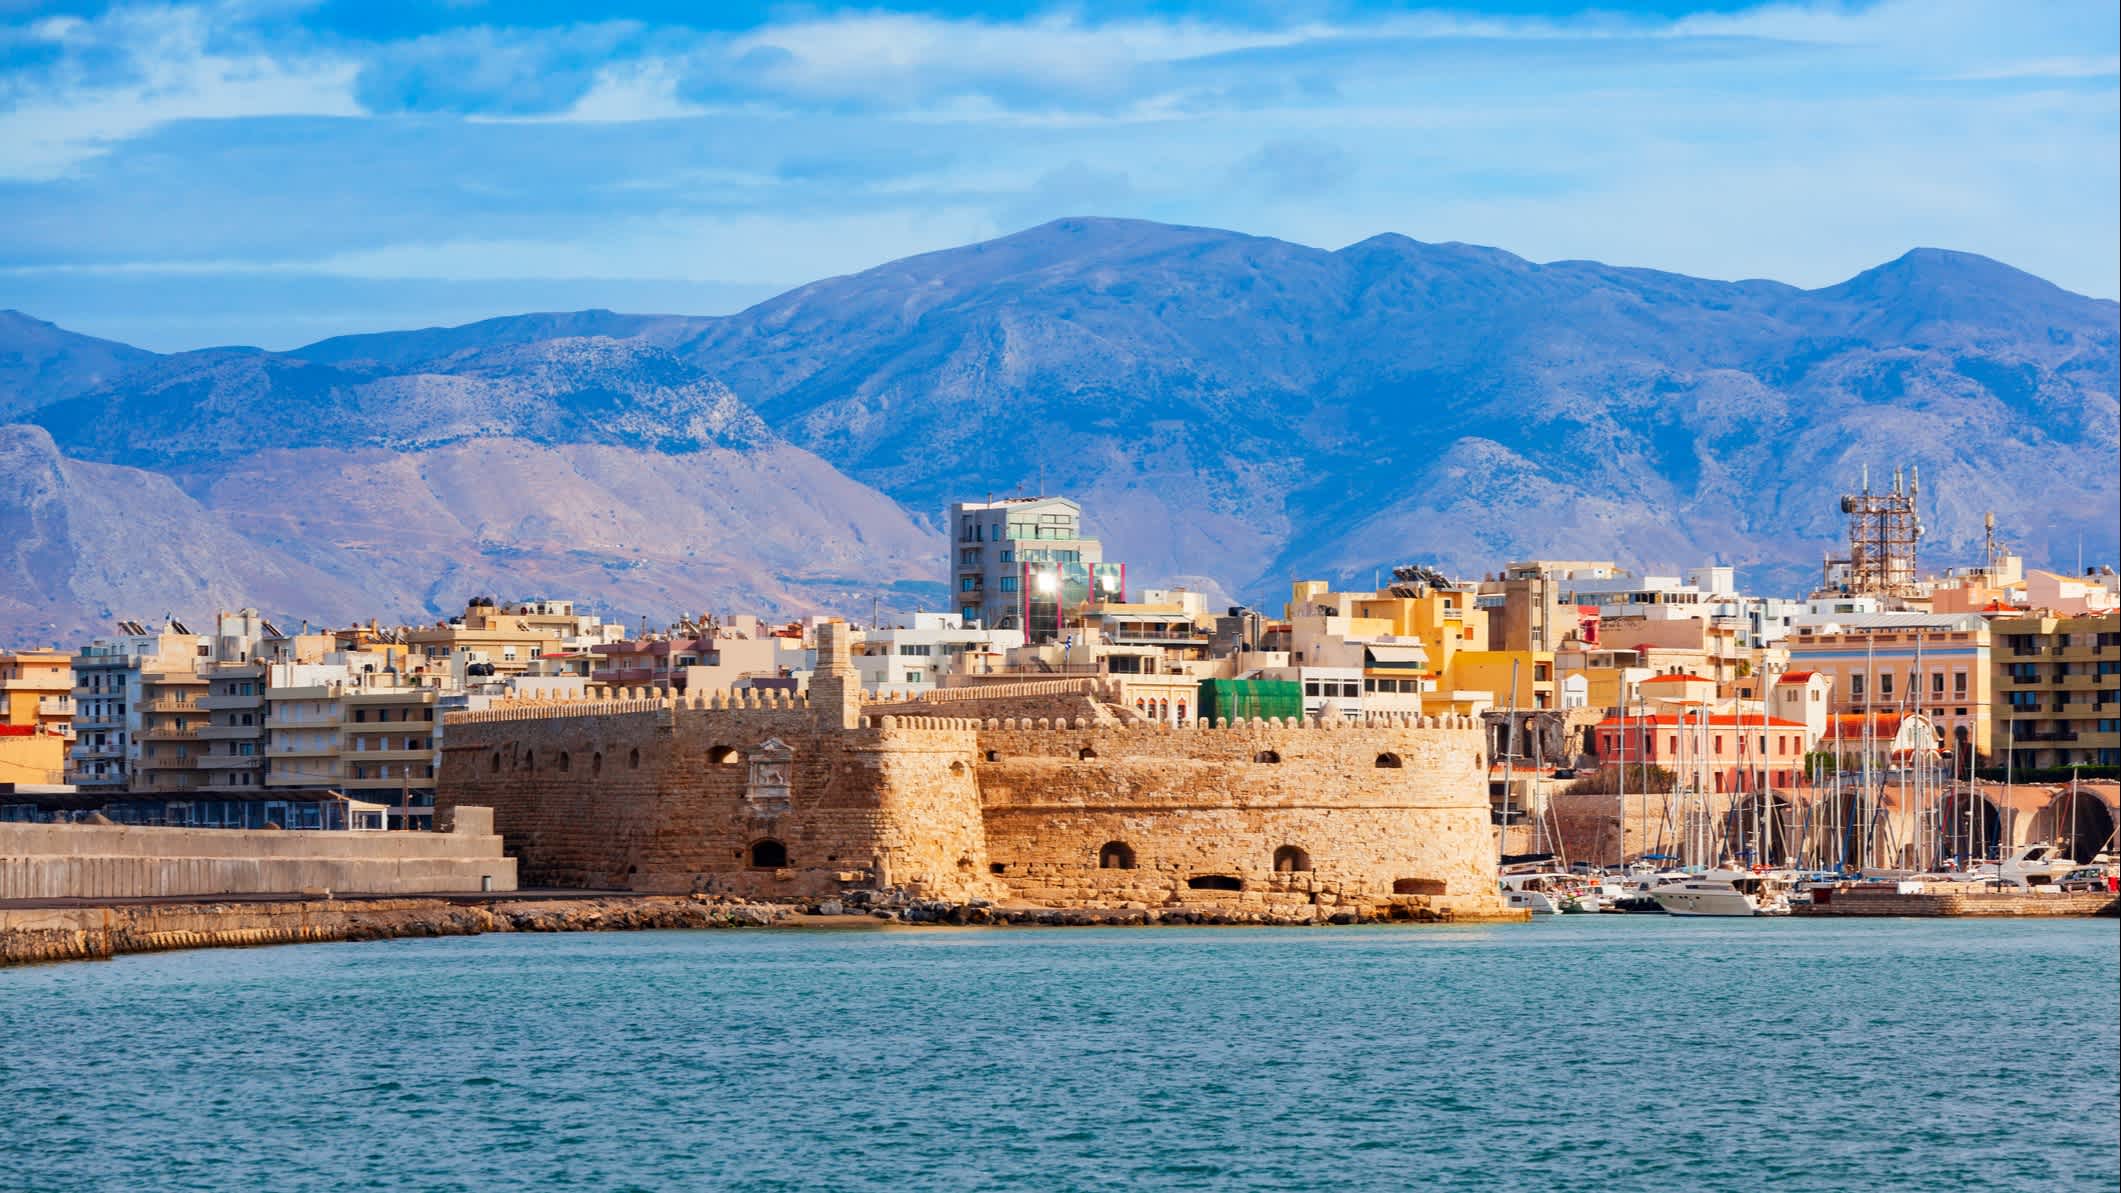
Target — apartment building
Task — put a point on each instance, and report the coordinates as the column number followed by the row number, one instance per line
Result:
column 36, row 715
column 127, row 686
column 910, row 659
column 1885, row 664
column 354, row 724
column 2058, row 685
column 491, row 639
column 1022, row 563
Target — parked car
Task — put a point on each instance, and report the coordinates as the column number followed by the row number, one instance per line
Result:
column 2087, row 878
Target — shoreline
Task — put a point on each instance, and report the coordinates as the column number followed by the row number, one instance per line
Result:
column 100, row 930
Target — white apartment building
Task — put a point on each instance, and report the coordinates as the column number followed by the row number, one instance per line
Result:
column 908, row 660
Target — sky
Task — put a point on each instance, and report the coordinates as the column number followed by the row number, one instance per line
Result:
column 271, row 172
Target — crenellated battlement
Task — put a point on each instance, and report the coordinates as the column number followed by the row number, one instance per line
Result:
column 765, row 792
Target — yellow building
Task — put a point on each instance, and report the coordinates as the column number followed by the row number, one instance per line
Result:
column 2057, row 683
column 37, row 689
column 36, row 715
column 1491, row 671
column 1445, row 620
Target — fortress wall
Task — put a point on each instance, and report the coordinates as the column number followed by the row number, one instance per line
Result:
column 582, row 826
column 961, row 807
column 862, row 807
column 1194, row 803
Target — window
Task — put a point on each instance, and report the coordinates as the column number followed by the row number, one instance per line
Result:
column 1115, row 855
column 1959, row 684
column 1937, row 684
column 1290, row 859
column 913, row 650
column 1856, row 686
column 1388, row 762
column 1885, row 685
column 1008, row 584
column 719, row 756
column 768, row 854
column 1266, row 756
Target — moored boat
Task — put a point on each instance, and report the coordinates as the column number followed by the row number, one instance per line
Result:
column 1724, row 893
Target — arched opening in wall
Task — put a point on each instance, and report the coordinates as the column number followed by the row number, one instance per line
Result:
column 495, row 767
column 768, row 854
column 566, row 763
column 596, row 763
column 1215, row 882
column 722, row 756
column 1388, row 762
column 1266, row 756
column 1085, row 753
column 957, row 768
column 994, row 755
column 530, row 761
column 1115, row 855
column 997, row 867
column 1291, row 859
column 1418, row 886
column 633, row 760
column 2086, row 827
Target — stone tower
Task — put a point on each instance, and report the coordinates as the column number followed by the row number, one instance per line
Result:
column 835, row 687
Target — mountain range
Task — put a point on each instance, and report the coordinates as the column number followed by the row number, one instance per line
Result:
column 1233, row 411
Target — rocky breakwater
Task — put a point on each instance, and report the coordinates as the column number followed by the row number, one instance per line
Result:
column 892, row 908
column 89, row 933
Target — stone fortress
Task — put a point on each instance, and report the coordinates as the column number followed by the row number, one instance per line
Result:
column 1045, row 793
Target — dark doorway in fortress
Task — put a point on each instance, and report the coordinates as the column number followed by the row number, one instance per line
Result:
column 1266, row 756
column 1085, row 753
column 1115, row 855
column 1418, row 886
column 1290, row 860
column 1388, row 762
column 768, row 854
column 722, row 756
column 1215, row 882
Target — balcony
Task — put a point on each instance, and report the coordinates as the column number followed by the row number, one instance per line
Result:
column 161, row 762
column 360, row 756
column 223, row 701
column 228, row 761
column 417, row 785
column 93, row 752
column 60, row 683
column 2039, row 735
column 169, row 704
column 172, row 733
column 232, row 732
column 101, row 720
column 106, row 779
column 56, row 706
column 321, row 750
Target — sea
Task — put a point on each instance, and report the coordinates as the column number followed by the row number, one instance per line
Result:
column 1573, row 1053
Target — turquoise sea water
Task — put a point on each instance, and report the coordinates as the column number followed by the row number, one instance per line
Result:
column 1601, row 1053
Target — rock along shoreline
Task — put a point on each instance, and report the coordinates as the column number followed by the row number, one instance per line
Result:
column 88, row 933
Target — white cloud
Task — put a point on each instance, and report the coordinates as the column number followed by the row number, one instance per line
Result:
column 167, row 72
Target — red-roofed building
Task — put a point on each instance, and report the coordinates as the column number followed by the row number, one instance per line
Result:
column 1733, row 751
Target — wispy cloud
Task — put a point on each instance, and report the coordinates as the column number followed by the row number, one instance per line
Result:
column 1804, row 141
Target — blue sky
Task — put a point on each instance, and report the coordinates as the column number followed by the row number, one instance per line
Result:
column 271, row 172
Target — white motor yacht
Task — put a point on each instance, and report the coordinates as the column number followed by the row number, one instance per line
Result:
column 2037, row 864
column 1547, row 892
column 1724, row 893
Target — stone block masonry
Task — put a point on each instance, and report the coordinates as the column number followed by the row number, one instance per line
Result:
column 80, row 861
column 764, row 796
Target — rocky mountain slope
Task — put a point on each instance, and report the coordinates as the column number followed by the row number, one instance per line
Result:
column 1232, row 410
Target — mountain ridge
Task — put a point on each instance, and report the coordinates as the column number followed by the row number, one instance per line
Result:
column 1231, row 409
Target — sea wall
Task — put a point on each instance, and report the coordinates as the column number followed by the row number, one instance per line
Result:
column 81, row 861
column 93, row 933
